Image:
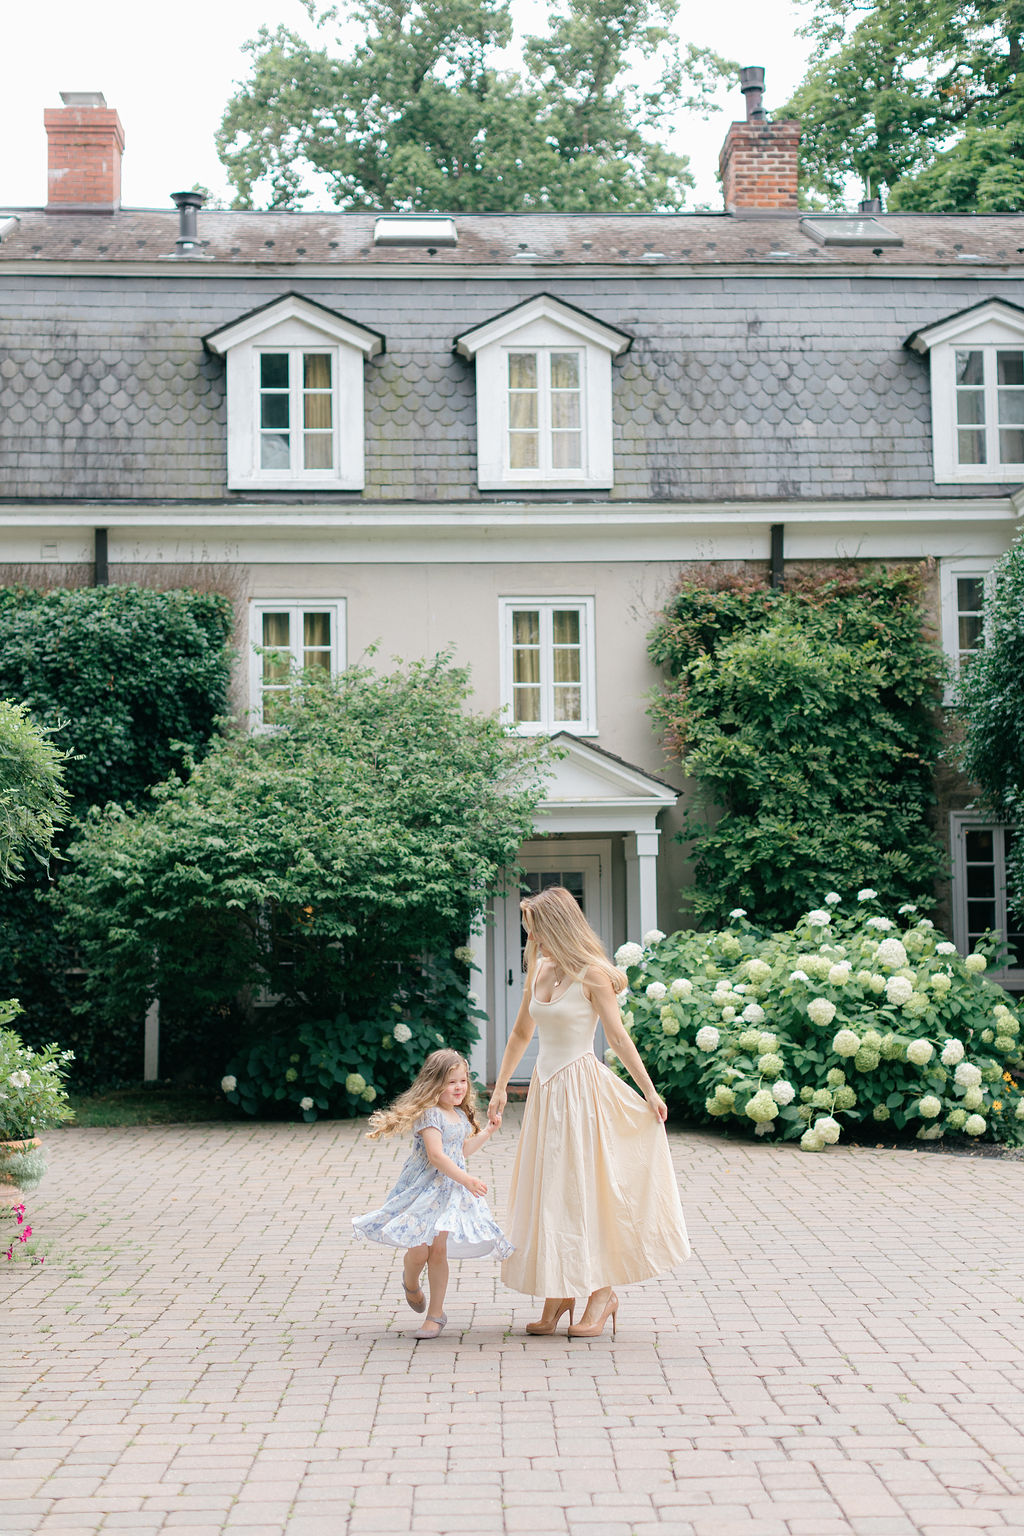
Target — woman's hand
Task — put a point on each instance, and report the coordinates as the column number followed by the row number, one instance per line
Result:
column 656, row 1104
column 496, row 1108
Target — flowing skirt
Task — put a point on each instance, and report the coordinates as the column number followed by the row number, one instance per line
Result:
column 593, row 1199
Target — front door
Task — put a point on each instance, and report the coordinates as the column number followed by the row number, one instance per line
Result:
column 583, row 868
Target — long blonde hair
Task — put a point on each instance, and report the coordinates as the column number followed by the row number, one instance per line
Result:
column 553, row 919
column 423, row 1094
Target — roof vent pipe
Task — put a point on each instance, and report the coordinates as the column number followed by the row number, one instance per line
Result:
column 752, row 86
column 188, row 205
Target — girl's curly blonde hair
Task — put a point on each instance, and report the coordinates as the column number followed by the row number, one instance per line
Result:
column 423, row 1094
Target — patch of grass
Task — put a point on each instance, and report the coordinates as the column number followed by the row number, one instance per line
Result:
column 150, row 1104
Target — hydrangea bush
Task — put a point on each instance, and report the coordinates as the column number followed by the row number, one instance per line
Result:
column 32, row 1097
column 849, row 1021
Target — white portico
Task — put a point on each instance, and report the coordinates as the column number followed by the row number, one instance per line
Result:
column 599, row 813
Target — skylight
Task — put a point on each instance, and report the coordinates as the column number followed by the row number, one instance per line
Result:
column 411, row 229
column 848, row 230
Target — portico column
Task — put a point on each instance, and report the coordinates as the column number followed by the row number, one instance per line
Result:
column 641, row 883
column 480, row 983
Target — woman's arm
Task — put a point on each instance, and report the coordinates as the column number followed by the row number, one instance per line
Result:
column 433, row 1146
column 602, row 995
column 471, row 1143
column 518, row 1040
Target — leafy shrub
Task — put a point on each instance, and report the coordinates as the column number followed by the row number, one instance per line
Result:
column 315, row 865
column 32, row 1097
column 842, row 1022
column 343, row 1066
column 33, row 800
column 808, row 718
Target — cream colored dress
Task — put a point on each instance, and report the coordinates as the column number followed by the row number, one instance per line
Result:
column 593, row 1199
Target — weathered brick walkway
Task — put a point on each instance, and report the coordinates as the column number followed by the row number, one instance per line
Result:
column 207, row 1351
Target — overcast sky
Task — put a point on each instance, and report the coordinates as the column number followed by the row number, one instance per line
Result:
column 169, row 71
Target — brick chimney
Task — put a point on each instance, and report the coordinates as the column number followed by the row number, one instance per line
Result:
column 85, row 142
column 758, row 162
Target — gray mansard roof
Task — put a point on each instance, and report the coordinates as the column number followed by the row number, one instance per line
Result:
column 763, row 365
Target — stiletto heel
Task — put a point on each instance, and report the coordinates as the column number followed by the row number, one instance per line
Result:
column 546, row 1324
column 594, row 1330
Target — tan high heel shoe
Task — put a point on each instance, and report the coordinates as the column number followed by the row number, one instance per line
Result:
column 548, row 1320
column 593, row 1330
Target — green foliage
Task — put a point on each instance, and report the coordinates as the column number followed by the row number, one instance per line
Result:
column 315, row 864
column 344, row 1066
column 419, row 115
column 773, row 1032
column 990, row 700
column 33, row 800
column 807, row 716
column 32, row 1092
column 924, row 101
column 131, row 683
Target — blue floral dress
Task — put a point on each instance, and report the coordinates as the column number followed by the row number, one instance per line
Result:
column 426, row 1201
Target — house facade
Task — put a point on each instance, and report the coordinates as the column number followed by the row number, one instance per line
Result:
column 507, row 435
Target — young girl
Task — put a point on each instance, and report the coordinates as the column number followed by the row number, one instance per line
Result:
column 436, row 1208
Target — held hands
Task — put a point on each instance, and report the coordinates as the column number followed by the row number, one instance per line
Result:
column 476, row 1187
column 496, row 1108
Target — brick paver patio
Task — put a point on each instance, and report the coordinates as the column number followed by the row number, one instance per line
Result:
column 207, row 1350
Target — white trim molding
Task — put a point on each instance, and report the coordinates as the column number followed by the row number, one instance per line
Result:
column 984, row 867
column 954, row 573
column 546, row 683
column 301, row 649
column 554, row 433
column 293, row 330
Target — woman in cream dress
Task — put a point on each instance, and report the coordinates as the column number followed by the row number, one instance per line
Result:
column 593, row 1201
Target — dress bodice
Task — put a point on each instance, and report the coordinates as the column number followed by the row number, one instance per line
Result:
column 565, row 1029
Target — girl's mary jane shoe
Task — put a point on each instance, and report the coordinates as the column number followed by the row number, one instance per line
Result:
column 433, row 1333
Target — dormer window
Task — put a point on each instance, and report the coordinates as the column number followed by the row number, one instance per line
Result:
column 295, row 397
column 544, row 397
column 977, row 374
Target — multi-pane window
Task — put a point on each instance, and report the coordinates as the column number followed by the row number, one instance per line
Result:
column 296, row 411
column 288, row 638
column 970, row 615
column 545, row 410
column 981, row 902
column 964, row 585
column 547, row 664
column 989, row 406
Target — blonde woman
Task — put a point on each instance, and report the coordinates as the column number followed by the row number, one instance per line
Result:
column 437, row 1208
column 593, row 1201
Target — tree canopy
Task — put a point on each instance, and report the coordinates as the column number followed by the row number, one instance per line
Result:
column 419, row 113
column 921, row 100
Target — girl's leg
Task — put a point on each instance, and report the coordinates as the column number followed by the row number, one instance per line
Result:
column 437, row 1276
column 412, row 1269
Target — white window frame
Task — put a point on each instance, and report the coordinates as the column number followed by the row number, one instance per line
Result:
column 950, row 570
column 546, row 469
column 295, row 608
column 548, row 725
column 960, row 823
column 988, row 327
column 295, row 325
column 544, row 324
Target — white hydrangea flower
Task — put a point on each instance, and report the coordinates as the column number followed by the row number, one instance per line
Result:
column 761, row 1107
column 464, row 954
column 680, row 988
column 656, row 990
column 976, row 1125
column 846, row 1043
column 925, row 922
column 307, row 1103
column 833, row 899
column 355, row 1082
column 799, row 976
column 828, row 1129
column 821, row 1011
column 758, row 971
column 929, row 1106
column 819, row 918
column 945, row 948
column 669, row 1025
column 610, row 1057
column 738, row 912
column 898, row 990
column 653, row 936
column 976, row 964
column 722, row 985
column 920, row 1052
column 891, row 953
column 753, row 1013
column 19, row 1079
column 883, row 924
column 967, row 1075
column 1019, row 1111
column 940, row 983
column 628, row 954
column 784, row 1093
column 876, row 983
column 728, row 1014
column 770, row 1064
column 768, row 1041
column 402, row 1033
column 810, row 1141
column 907, row 908
column 228, row 1084
column 707, row 1038
column 973, row 1098
column 867, row 894
column 839, row 974
column 952, row 1052
column 739, row 988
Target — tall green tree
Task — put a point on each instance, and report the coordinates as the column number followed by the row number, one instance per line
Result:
column 921, row 102
column 419, row 115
